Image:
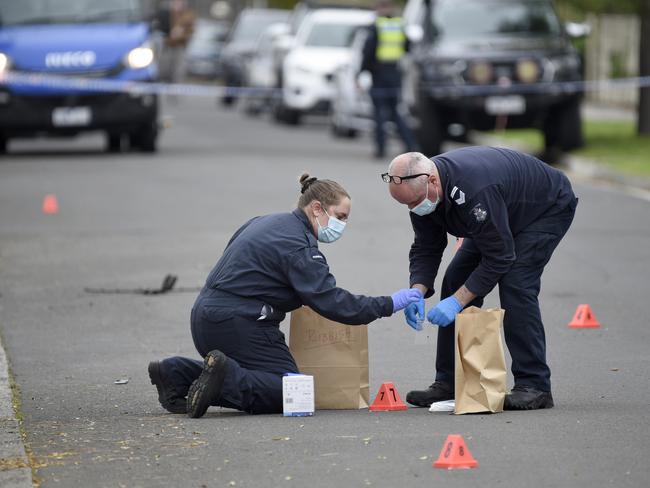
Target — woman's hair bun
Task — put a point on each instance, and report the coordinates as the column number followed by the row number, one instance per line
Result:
column 306, row 181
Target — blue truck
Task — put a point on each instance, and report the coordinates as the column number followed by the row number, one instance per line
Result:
column 80, row 39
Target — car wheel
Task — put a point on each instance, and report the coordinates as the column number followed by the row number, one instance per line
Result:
column 145, row 139
column 563, row 127
column 429, row 133
column 286, row 115
column 113, row 142
column 227, row 100
column 335, row 130
column 344, row 132
column 3, row 144
column 293, row 117
column 252, row 109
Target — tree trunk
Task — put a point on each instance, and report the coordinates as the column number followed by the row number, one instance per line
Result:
column 644, row 70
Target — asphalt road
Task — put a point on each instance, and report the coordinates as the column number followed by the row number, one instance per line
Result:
column 127, row 220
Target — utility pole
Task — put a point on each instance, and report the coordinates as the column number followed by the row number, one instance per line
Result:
column 643, row 120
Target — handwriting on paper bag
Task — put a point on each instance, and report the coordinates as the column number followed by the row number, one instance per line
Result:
column 317, row 338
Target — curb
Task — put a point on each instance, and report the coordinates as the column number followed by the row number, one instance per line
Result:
column 15, row 470
column 636, row 185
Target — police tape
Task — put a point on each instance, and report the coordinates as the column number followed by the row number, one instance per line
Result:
column 111, row 85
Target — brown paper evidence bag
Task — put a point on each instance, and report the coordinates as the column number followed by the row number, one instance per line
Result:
column 480, row 375
column 337, row 356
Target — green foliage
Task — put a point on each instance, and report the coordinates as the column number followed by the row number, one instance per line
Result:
column 285, row 4
column 618, row 68
column 576, row 9
column 612, row 143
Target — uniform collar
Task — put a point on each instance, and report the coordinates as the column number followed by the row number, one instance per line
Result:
column 300, row 214
column 443, row 173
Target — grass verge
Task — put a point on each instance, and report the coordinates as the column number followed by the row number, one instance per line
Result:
column 612, row 143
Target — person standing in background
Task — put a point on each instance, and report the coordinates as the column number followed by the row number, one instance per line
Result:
column 176, row 21
column 385, row 46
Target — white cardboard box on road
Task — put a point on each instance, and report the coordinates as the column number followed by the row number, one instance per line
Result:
column 297, row 395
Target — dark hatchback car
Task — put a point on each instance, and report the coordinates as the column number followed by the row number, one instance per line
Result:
column 241, row 43
column 486, row 64
column 204, row 49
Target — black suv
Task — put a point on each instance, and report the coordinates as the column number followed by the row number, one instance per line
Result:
column 486, row 64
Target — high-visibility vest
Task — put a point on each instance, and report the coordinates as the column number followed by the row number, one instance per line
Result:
column 390, row 39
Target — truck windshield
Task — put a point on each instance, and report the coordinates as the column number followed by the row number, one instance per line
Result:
column 478, row 18
column 33, row 12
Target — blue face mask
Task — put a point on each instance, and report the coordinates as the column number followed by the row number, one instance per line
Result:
column 426, row 206
column 332, row 232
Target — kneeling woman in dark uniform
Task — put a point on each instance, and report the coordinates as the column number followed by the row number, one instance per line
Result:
column 272, row 265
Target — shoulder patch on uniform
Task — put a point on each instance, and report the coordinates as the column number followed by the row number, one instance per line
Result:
column 479, row 213
column 461, row 195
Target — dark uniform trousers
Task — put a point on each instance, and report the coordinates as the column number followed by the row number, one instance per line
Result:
column 518, row 293
column 258, row 357
column 385, row 100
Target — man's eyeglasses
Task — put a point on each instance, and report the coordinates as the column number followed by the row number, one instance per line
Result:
column 398, row 179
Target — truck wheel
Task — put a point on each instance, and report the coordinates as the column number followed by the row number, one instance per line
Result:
column 3, row 144
column 563, row 127
column 145, row 139
column 429, row 134
column 113, row 142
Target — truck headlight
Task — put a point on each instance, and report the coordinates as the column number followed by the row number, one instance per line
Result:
column 140, row 57
column 4, row 62
column 481, row 72
column 527, row 71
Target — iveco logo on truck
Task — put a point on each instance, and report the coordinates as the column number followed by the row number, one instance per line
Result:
column 70, row 59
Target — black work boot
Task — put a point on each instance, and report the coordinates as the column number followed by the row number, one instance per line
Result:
column 167, row 397
column 207, row 387
column 527, row 398
column 437, row 392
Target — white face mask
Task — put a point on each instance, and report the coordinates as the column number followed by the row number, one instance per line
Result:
column 426, row 206
column 332, row 231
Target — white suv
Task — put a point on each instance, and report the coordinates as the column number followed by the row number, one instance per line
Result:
column 322, row 44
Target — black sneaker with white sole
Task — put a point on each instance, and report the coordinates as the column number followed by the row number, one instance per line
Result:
column 437, row 392
column 167, row 396
column 207, row 387
column 526, row 398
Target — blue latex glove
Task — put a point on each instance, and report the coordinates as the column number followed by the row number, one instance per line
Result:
column 404, row 297
column 445, row 312
column 414, row 313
